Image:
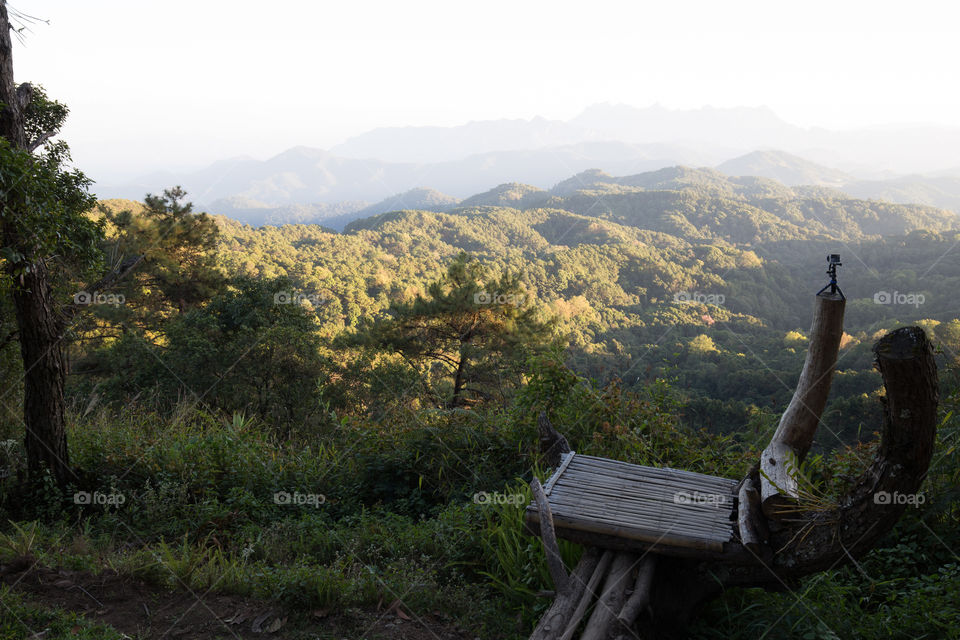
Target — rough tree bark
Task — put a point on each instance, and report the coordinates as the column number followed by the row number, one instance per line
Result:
column 40, row 320
column 39, row 330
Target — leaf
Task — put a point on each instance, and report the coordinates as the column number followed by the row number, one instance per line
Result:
column 275, row 625
column 257, row 626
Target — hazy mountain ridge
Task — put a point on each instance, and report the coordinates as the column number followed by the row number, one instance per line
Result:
column 710, row 130
column 784, row 167
column 938, row 191
column 305, row 184
column 717, row 132
column 512, row 194
column 422, row 199
column 256, row 213
column 304, row 175
column 704, row 205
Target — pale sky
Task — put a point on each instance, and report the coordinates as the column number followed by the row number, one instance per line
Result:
column 177, row 83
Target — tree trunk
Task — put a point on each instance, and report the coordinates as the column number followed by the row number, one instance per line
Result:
column 11, row 117
column 43, row 363
column 458, row 382
column 39, row 330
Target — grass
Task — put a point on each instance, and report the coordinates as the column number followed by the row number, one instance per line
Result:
column 21, row 619
column 398, row 519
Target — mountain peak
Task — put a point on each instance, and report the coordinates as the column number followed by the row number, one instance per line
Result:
column 785, row 167
column 510, row 194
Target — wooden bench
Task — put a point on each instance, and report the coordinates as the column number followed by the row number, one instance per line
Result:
column 674, row 512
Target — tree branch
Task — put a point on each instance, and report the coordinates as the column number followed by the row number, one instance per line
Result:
column 35, row 144
column 115, row 275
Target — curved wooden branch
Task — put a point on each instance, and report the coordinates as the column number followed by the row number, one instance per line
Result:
column 780, row 460
column 885, row 489
column 640, row 597
column 580, row 586
column 547, row 532
column 33, row 145
column 819, row 539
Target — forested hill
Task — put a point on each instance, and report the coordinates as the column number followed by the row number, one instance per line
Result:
column 686, row 274
column 706, row 204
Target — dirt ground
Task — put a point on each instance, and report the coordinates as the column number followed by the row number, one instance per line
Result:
column 144, row 612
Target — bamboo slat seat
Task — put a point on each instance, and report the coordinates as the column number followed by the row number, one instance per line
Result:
column 631, row 506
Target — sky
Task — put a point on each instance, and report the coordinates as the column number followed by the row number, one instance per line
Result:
column 178, row 84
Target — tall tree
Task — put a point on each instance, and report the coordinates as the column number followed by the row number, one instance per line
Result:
column 179, row 269
column 179, row 272
column 43, row 228
column 476, row 331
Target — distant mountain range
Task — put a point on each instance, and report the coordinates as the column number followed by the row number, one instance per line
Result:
column 434, row 168
column 711, row 132
column 306, row 176
column 770, row 173
column 696, row 205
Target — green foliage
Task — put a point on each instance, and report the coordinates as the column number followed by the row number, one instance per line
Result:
column 23, row 620
column 42, row 207
column 179, row 249
column 471, row 334
column 242, row 352
column 514, row 561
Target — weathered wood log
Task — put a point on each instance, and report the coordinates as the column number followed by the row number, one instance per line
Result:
column 603, row 622
column 640, row 597
column 751, row 523
column 588, row 595
column 552, row 443
column 549, row 536
column 779, row 462
column 554, row 621
column 881, row 494
column 818, row 540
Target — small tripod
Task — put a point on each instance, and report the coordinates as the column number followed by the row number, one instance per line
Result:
column 833, row 261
